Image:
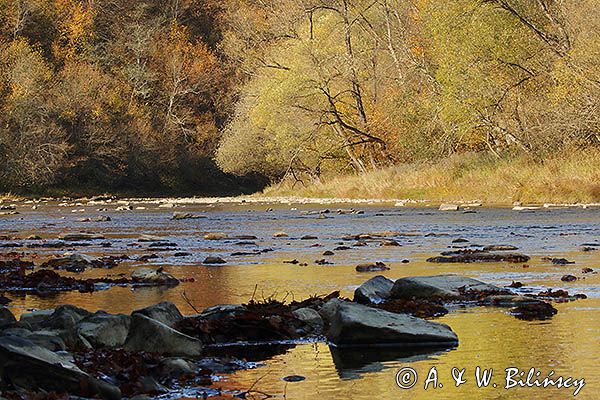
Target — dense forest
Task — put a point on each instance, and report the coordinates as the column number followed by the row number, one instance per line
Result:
column 198, row 94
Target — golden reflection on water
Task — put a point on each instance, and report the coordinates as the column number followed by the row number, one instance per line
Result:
column 490, row 338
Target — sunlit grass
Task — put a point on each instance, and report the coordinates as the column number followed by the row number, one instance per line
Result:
column 569, row 179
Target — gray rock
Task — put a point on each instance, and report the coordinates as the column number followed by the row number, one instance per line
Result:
column 355, row 325
column 80, row 236
column 214, row 260
column 6, row 317
column 153, row 277
column 28, row 366
column 146, row 333
column 176, row 367
column 310, row 317
column 50, row 340
column 181, row 216
column 64, row 317
column 444, row 286
column 34, row 318
column 165, row 312
column 376, row 290
column 372, row 267
column 105, row 330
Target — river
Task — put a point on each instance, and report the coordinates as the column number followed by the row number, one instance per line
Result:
column 490, row 338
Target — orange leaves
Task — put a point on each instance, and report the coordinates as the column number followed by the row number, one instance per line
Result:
column 75, row 23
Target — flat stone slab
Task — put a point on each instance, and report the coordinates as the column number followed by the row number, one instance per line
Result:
column 449, row 287
column 356, row 325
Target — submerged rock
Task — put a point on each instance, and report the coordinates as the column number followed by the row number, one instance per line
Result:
column 376, row 290
column 534, row 312
column 214, row 260
column 352, row 324
column 177, row 216
column 152, row 277
column 372, row 267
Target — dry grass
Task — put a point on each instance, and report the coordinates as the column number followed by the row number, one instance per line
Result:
column 5, row 197
column 571, row 179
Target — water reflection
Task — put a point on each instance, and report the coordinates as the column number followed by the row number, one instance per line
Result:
column 353, row 363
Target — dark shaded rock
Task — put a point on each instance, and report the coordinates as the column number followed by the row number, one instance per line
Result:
column 214, row 260
column 71, row 237
column 540, row 311
column 472, row 256
column 449, row 287
column 14, row 265
column 558, row 261
column 177, row 216
column 420, row 308
column 165, row 312
column 569, row 278
column 28, row 366
column 6, row 317
column 146, row 333
column 376, row 290
column 353, row 324
column 587, row 271
column 373, row 267
column 342, row 248
column 328, row 253
column 309, row 237
column 460, row 240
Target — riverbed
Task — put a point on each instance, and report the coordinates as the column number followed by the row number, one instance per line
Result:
column 490, row 338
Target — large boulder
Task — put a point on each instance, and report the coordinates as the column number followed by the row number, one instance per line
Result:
column 356, row 325
column 376, row 290
column 27, row 366
column 50, row 340
column 147, row 334
column 165, row 312
column 64, row 317
column 105, row 330
column 6, row 317
column 34, row 318
column 450, row 287
column 80, row 236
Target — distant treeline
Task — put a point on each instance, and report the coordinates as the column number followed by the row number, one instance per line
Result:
column 177, row 94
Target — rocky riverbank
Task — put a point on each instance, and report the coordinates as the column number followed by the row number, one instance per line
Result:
column 158, row 351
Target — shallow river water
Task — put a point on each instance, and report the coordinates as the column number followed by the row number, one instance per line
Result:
column 490, row 338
